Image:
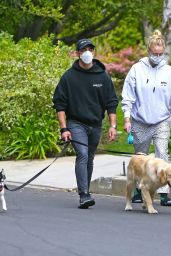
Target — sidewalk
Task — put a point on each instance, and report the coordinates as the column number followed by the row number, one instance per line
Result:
column 107, row 175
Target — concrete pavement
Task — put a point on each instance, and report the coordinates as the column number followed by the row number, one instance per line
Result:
column 48, row 223
column 107, row 176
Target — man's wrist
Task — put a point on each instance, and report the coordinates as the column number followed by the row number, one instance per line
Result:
column 114, row 126
column 64, row 130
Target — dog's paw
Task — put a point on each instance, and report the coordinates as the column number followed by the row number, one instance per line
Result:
column 152, row 211
column 128, row 208
column 144, row 206
column 3, row 211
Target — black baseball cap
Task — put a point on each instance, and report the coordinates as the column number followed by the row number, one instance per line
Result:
column 83, row 43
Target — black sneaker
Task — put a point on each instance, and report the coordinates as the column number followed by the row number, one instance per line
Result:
column 91, row 200
column 137, row 198
column 166, row 201
column 85, row 201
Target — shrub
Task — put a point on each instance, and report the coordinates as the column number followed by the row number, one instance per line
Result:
column 118, row 64
column 33, row 137
column 29, row 72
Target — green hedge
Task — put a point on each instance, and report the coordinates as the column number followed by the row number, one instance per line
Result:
column 29, row 72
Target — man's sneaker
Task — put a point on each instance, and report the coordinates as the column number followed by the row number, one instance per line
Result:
column 91, row 200
column 166, row 201
column 137, row 198
column 85, row 201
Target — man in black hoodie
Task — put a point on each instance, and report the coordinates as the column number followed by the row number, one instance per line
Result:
column 82, row 96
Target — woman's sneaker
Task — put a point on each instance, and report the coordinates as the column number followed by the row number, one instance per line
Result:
column 85, row 201
column 137, row 198
column 165, row 200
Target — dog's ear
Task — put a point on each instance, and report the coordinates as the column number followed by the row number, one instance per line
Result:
column 163, row 177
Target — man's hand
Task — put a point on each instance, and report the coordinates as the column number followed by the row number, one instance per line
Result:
column 112, row 133
column 66, row 136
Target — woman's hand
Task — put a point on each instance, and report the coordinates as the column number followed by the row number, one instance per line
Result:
column 127, row 126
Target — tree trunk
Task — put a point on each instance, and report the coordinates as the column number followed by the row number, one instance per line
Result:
column 147, row 29
column 32, row 30
column 166, row 26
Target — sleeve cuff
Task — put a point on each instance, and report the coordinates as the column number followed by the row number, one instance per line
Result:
column 111, row 111
column 127, row 114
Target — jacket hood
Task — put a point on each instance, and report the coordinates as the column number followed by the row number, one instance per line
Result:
column 97, row 67
column 145, row 60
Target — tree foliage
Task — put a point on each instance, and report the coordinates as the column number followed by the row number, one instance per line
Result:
column 70, row 20
column 30, row 70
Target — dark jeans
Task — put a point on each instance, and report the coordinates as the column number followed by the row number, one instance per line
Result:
column 84, row 155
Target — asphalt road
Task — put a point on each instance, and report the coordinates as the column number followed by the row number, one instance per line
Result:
column 48, row 223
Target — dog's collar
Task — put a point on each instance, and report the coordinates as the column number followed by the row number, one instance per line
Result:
column 141, row 153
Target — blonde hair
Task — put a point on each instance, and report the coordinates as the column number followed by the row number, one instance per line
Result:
column 156, row 39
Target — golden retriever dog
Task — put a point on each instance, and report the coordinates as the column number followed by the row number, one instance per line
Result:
column 150, row 173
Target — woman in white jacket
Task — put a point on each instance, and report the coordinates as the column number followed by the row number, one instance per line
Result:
column 146, row 103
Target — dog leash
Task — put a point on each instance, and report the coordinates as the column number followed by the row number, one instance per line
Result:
column 106, row 150
column 66, row 144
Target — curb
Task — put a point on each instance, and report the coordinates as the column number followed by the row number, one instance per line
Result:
column 109, row 186
column 112, row 186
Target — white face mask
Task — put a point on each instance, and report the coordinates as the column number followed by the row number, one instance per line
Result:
column 86, row 57
column 156, row 59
